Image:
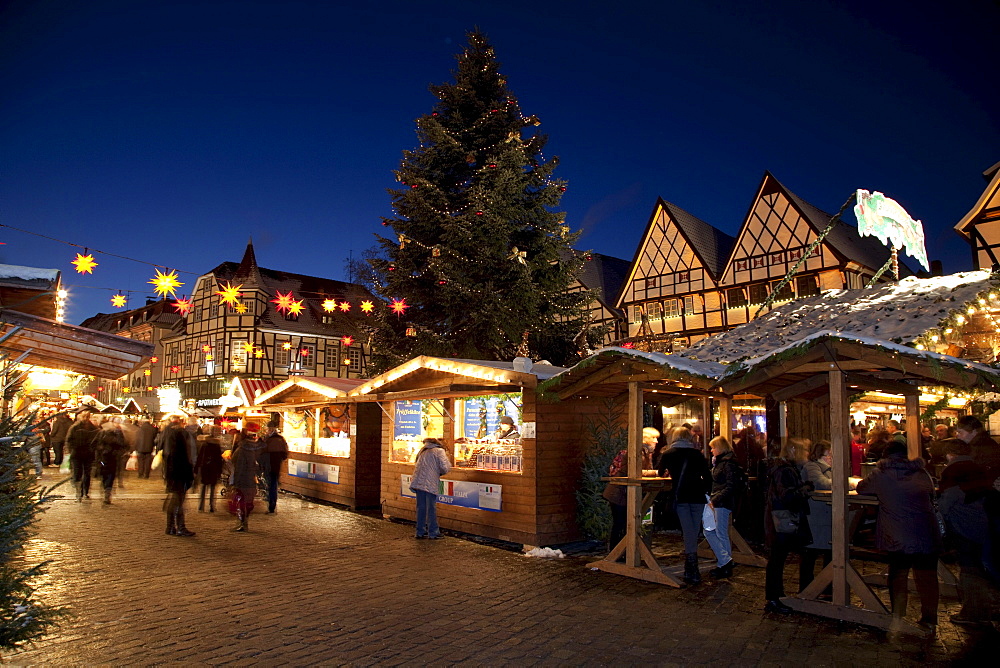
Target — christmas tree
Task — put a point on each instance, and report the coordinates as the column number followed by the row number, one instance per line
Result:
column 481, row 264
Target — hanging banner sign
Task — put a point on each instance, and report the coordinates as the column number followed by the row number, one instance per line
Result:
column 464, row 494
column 406, row 423
column 882, row 217
column 314, row 471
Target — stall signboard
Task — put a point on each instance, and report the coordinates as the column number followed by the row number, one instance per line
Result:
column 462, row 493
column 407, row 423
column 481, row 415
column 413, row 421
column 314, row 471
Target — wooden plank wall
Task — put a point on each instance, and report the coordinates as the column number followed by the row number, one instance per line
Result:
column 807, row 419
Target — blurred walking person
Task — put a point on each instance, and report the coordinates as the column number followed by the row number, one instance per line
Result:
column 178, row 473
column 60, row 428
column 109, row 447
column 246, row 458
column 208, row 468
column 145, row 439
column 277, row 452
column 80, row 443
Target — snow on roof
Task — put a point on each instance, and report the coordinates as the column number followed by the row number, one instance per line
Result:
column 8, row 271
column 703, row 368
column 540, row 370
column 898, row 312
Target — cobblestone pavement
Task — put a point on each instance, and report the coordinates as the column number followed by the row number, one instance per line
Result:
column 316, row 585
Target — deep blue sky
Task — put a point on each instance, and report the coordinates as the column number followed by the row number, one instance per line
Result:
column 171, row 132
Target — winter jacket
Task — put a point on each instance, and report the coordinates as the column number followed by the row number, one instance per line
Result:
column 787, row 491
column 906, row 521
column 209, row 464
column 727, row 481
column 81, row 440
column 109, row 447
column 276, row 448
column 986, row 453
column 963, row 491
column 145, row 438
column 246, row 463
column 432, row 463
column 178, row 468
column 820, row 512
column 60, row 428
column 689, row 471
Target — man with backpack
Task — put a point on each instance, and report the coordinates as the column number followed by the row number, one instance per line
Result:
column 275, row 452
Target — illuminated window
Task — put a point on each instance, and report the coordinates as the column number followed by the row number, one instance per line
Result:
column 671, row 308
column 785, row 293
column 689, row 305
column 280, row 356
column 354, row 354
column 758, row 293
column 332, row 357
column 307, row 353
column 655, row 310
column 636, row 314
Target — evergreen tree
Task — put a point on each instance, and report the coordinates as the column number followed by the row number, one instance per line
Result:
column 480, row 262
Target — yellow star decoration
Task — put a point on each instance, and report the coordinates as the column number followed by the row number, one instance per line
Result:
column 283, row 302
column 84, row 263
column 248, row 347
column 258, row 353
column 229, row 294
column 118, row 301
column 183, row 306
column 329, row 305
column 165, row 283
column 367, row 306
column 126, row 389
column 287, row 345
column 296, row 307
column 345, row 306
column 240, row 308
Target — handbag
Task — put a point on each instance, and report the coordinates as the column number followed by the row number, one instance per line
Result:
column 708, row 521
column 157, row 460
column 786, row 521
column 133, row 462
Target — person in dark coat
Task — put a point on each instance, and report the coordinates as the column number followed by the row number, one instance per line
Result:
column 80, row 443
column 145, row 439
column 246, row 456
column 276, row 448
column 208, row 468
column 60, row 429
column 110, row 445
column 178, row 474
column 786, row 492
column 907, row 529
column 692, row 481
column 818, row 470
column 727, row 486
column 985, row 450
column 963, row 491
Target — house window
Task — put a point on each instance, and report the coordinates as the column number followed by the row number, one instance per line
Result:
column 651, row 283
column 671, row 308
column 736, row 297
column 354, row 354
column 636, row 314
column 238, row 357
column 307, row 353
column 758, row 293
column 250, row 307
column 327, row 320
column 785, row 293
column 806, row 286
column 280, row 356
column 689, row 305
column 655, row 310
column 332, row 356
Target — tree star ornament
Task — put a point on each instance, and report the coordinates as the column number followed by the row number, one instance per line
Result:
column 118, row 301
column 329, row 305
column 165, row 283
column 283, row 303
column 84, row 263
column 367, row 306
column 230, row 294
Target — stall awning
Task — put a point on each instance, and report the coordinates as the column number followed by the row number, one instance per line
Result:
column 71, row 348
column 307, row 389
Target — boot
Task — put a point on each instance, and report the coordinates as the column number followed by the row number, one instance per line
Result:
column 171, row 524
column 242, row 517
column 107, row 496
column 181, row 529
column 692, row 575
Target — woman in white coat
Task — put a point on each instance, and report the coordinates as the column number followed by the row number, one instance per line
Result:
column 431, row 464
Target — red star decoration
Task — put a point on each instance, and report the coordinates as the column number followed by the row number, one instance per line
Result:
column 284, row 302
column 345, row 306
column 399, row 306
column 183, row 306
column 346, row 340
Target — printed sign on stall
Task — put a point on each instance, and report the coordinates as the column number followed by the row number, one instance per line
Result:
column 407, row 420
column 479, row 495
column 314, row 471
column 482, row 415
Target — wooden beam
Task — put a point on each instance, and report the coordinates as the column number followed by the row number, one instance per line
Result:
column 913, row 449
column 593, row 378
column 634, row 501
column 843, row 365
column 873, row 384
column 840, row 440
column 801, row 387
column 763, row 374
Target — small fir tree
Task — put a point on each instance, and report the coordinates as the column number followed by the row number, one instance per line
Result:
column 607, row 439
column 481, row 263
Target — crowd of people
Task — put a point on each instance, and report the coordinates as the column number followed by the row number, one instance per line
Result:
column 944, row 504
column 185, row 452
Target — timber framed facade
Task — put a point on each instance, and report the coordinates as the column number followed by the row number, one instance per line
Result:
column 690, row 280
column 981, row 226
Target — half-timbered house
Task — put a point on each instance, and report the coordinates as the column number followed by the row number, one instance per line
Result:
column 981, row 226
column 690, row 280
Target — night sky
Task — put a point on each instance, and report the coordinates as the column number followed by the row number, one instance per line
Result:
column 171, row 132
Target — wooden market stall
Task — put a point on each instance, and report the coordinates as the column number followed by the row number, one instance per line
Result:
column 635, row 378
column 519, row 488
column 334, row 446
column 825, row 368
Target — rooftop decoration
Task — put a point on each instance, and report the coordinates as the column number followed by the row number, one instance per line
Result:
column 882, row 217
column 283, row 302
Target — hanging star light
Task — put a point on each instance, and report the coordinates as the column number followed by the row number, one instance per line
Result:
column 118, row 301
column 399, row 306
column 345, row 306
column 240, row 308
column 367, row 306
column 329, row 305
column 229, row 294
column 346, row 340
column 165, row 283
column 258, row 353
column 296, row 307
column 84, row 263
column 183, row 306
column 287, row 345
column 248, row 347
column 284, row 302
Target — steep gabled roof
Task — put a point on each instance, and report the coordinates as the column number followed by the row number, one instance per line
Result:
column 991, row 191
column 898, row 312
column 606, row 275
column 711, row 245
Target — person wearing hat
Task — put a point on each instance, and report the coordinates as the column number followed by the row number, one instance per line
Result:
column 276, row 449
column 507, row 428
column 907, row 529
column 244, row 478
column 432, row 462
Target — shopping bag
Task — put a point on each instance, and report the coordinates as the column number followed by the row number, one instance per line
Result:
column 133, row 462
column 64, row 467
column 157, row 460
column 708, row 517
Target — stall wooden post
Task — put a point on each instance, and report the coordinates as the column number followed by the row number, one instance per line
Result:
column 726, row 417
column 706, row 424
column 634, row 503
column 913, row 450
